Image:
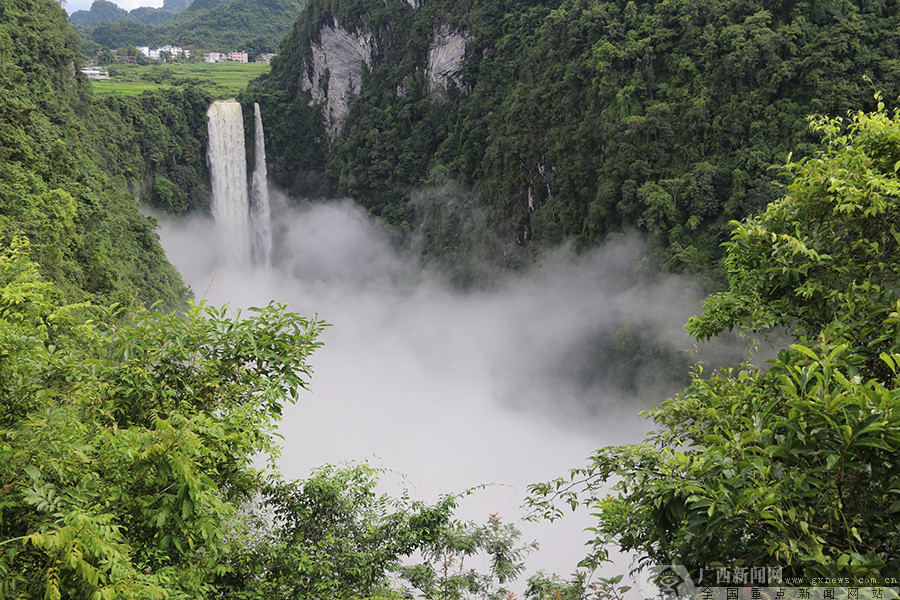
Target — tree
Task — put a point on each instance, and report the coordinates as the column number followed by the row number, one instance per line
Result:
column 446, row 574
column 331, row 535
column 826, row 252
column 127, row 436
column 795, row 466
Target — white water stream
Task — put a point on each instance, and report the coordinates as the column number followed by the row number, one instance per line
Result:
column 244, row 227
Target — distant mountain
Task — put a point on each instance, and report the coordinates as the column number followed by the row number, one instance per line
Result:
column 151, row 16
column 175, row 5
column 253, row 25
column 256, row 26
column 101, row 10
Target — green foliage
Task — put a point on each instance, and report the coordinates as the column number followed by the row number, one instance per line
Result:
column 329, row 536
column 154, row 145
column 85, row 233
column 445, row 574
column 575, row 118
column 795, row 466
column 332, row 535
column 118, row 34
column 579, row 587
column 255, row 26
column 127, row 441
column 827, row 250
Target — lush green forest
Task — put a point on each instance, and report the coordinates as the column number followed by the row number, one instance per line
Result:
column 572, row 119
column 254, row 26
column 85, row 231
column 131, row 419
column 128, row 434
column 794, row 466
column 105, row 11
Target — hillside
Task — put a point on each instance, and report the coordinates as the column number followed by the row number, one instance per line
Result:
column 86, row 233
column 101, row 10
column 105, row 11
column 252, row 25
column 256, row 26
column 568, row 119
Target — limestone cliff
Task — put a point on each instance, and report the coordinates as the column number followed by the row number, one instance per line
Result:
column 335, row 43
column 445, row 60
column 334, row 73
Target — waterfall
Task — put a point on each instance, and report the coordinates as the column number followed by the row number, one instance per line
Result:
column 227, row 161
column 260, row 214
column 245, row 229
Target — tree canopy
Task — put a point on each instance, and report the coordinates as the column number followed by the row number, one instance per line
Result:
column 575, row 119
column 127, row 438
column 826, row 252
column 796, row 465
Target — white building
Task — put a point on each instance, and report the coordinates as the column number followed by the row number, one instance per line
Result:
column 174, row 51
column 156, row 53
column 214, row 57
column 93, row 73
column 238, row 56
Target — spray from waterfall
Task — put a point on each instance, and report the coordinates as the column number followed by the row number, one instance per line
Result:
column 244, row 229
column 260, row 213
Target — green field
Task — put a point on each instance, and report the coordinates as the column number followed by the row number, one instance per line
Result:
column 223, row 80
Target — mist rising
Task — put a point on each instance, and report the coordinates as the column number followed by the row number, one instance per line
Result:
column 508, row 385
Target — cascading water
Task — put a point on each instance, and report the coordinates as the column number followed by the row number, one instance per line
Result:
column 227, row 161
column 245, row 230
column 260, row 213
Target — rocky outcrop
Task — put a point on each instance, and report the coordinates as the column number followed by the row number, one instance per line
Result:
column 445, row 60
column 416, row 3
column 334, row 74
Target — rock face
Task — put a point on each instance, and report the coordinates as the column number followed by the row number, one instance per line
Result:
column 334, row 75
column 445, row 58
column 416, row 3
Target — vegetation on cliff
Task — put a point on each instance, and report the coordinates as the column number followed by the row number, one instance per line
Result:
column 796, row 466
column 85, row 231
column 577, row 118
column 254, row 26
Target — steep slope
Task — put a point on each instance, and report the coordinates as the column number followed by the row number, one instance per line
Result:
column 252, row 25
column 101, row 10
column 104, row 11
column 256, row 26
column 86, row 233
column 571, row 119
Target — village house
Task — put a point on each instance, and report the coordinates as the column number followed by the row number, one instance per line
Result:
column 95, row 73
column 156, row 53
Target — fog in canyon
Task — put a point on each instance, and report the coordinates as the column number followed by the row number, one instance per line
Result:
column 506, row 385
